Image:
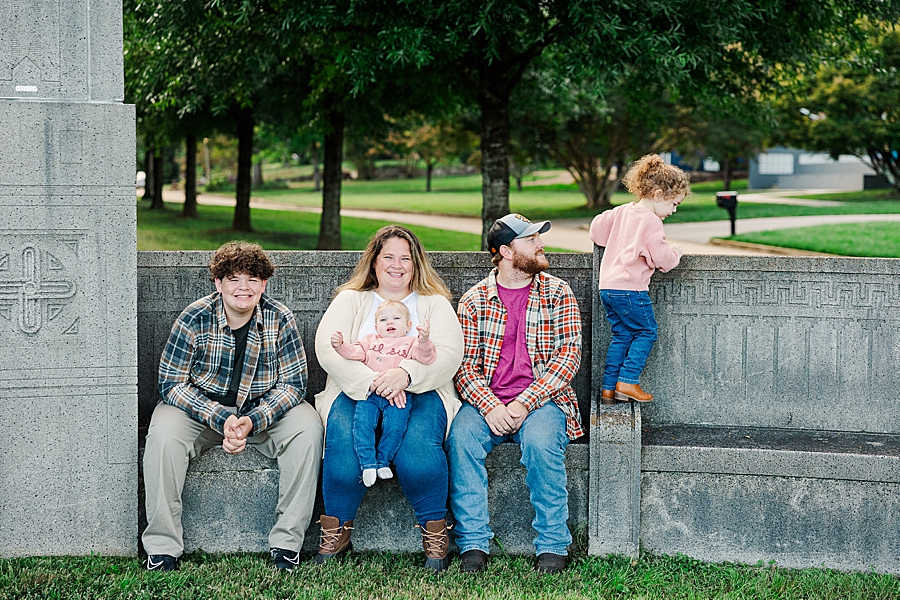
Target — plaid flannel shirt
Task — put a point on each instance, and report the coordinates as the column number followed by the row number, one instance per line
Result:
column 553, row 325
column 198, row 357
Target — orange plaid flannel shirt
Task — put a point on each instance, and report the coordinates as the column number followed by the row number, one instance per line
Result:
column 553, row 323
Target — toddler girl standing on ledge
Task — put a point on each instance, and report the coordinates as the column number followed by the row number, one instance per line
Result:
column 635, row 246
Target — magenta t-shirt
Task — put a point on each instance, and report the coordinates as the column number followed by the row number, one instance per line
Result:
column 514, row 372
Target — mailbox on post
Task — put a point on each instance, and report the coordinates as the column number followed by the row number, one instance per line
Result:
column 728, row 201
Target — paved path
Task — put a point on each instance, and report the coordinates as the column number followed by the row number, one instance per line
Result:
column 782, row 197
column 572, row 234
column 702, row 232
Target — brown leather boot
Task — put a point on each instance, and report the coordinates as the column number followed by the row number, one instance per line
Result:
column 334, row 540
column 436, row 542
column 626, row 392
column 608, row 397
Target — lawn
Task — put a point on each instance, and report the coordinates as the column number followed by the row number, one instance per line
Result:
column 368, row 575
column 875, row 239
column 461, row 196
column 274, row 230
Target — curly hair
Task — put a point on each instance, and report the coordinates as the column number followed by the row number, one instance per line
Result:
column 240, row 257
column 651, row 173
column 425, row 280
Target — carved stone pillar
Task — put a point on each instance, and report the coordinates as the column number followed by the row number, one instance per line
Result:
column 68, row 333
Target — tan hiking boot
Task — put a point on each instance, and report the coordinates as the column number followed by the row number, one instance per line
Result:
column 626, row 392
column 334, row 540
column 436, row 542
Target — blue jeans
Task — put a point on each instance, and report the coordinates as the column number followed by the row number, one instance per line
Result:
column 393, row 426
column 543, row 441
column 420, row 463
column 634, row 330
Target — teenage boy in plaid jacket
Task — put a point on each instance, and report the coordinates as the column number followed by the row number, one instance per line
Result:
column 522, row 332
column 233, row 373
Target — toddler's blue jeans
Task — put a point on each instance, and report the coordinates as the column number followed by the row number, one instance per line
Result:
column 634, row 330
column 393, row 426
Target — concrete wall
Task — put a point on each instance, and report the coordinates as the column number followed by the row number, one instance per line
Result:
column 772, row 436
column 68, row 327
column 305, row 281
column 169, row 281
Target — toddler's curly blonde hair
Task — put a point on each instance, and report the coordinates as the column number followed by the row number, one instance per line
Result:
column 651, row 173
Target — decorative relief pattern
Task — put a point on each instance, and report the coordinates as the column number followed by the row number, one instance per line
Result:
column 30, row 41
column 39, row 293
column 788, row 294
column 40, row 280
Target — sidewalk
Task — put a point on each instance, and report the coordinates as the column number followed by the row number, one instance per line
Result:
column 572, row 234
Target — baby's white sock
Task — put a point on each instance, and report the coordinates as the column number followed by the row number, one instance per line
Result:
column 385, row 473
column 368, row 477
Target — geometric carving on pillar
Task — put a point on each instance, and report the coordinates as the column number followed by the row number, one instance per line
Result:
column 72, row 329
column 29, row 41
column 32, row 293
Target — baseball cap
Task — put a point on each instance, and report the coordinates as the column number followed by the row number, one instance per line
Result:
column 512, row 227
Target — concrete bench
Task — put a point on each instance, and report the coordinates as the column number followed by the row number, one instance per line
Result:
column 227, row 522
column 773, row 434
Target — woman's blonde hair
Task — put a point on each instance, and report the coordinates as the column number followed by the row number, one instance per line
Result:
column 651, row 173
column 424, row 281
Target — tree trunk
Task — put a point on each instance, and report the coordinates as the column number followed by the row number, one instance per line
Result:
column 429, row 169
column 148, row 177
column 257, row 175
column 494, row 157
column 190, row 177
column 330, row 225
column 726, row 176
column 609, row 184
column 518, row 183
column 245, row 160
column 317, row 174
column 157, row 201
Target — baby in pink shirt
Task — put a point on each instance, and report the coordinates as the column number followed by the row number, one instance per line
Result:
column 635, row 246
column 380, row 352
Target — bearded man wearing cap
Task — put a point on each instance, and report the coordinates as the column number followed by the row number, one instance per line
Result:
column 522, row 333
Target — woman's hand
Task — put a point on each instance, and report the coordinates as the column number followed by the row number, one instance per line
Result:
column 390, row 384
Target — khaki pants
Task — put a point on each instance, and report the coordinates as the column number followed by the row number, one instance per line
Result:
column 174, row 438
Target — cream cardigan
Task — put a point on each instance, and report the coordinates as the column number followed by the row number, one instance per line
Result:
column 347, row 313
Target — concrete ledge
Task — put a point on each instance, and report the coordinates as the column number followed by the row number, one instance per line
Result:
column 772, row 452
column 229, row 505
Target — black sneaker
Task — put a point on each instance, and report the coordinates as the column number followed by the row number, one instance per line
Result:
column 161, row 562
column 285, row 560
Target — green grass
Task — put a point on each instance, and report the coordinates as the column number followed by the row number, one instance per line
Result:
column 366, row 575
column 453, row 195
column 461, row 196
column 274, row 230
column 861, row 196
column 875, row 239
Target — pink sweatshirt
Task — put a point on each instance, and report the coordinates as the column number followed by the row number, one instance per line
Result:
column 381, row 354
column 635, row 246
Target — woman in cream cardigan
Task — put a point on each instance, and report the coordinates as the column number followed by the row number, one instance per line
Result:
column 393, row 266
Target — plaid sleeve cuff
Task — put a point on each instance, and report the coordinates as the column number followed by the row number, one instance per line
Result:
column 258, row 419
column 217, row 419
